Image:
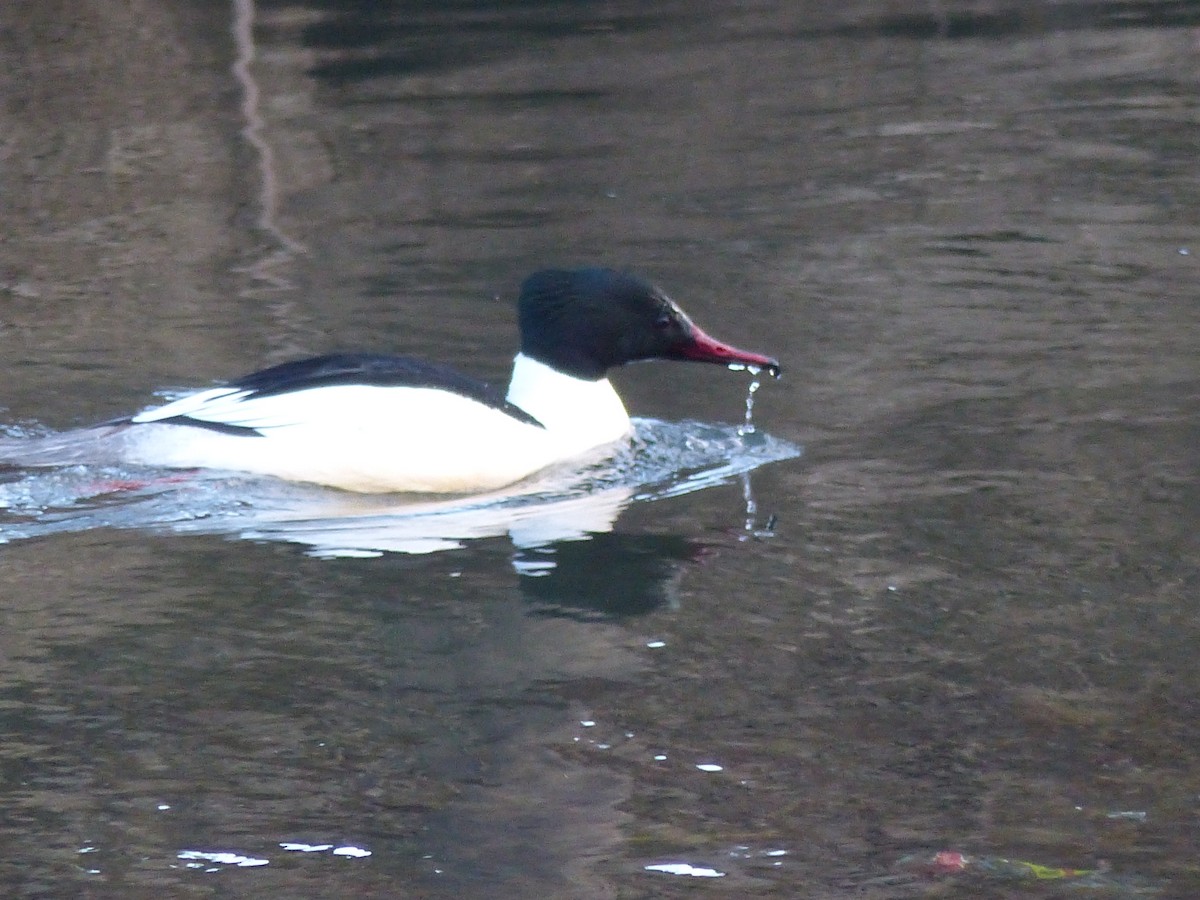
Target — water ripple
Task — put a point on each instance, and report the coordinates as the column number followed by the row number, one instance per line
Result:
column 566, row 503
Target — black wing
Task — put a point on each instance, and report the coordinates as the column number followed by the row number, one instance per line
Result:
column 375, row 369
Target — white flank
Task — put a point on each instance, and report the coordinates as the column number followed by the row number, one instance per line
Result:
column 382, row 439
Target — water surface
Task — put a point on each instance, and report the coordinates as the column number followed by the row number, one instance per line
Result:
column 957, row 630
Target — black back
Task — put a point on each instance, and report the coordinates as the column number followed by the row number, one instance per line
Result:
column 374, row 369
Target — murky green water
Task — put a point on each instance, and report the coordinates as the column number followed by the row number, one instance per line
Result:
column 962, row 622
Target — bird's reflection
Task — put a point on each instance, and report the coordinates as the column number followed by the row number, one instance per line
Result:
column 613, row 575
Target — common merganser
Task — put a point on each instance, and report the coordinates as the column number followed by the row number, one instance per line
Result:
column 372, row 423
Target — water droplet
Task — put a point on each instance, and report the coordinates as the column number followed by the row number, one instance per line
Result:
column 751, row 503
column 748, row 426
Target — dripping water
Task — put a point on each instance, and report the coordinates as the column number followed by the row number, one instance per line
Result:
column 752, row 529
column 751, row 504
column 747, row 427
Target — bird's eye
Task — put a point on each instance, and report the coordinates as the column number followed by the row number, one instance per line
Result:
column 664, row 321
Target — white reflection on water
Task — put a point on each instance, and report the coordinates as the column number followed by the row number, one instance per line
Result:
column 306, row 848
column 209, row 860
column 663, row 460
column 685, row 869
column 198, row 858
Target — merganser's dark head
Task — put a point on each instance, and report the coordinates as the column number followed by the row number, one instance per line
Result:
column 584, row 322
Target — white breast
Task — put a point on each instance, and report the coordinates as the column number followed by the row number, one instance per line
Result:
column 581, row 414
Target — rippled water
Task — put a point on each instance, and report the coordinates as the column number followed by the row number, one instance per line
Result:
column 568, row 503
column 946, row 651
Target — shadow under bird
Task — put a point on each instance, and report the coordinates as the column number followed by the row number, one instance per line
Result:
column 377, row 423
